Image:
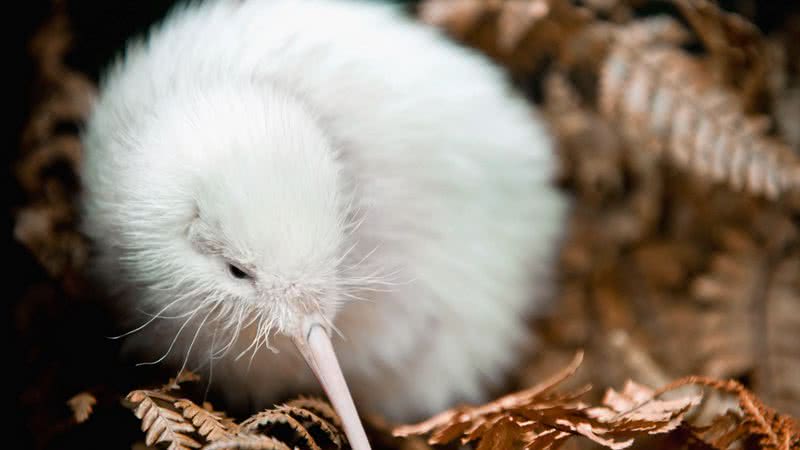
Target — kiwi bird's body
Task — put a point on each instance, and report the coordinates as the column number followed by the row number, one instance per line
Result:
column 252, row 162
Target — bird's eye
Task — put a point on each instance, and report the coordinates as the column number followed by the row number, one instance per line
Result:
column 237, row 272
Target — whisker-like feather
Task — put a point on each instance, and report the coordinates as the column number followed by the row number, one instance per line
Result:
column 196, row 333
column 172, row 344
column 148, row 322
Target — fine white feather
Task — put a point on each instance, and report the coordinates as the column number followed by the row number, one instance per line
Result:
column 351, row 161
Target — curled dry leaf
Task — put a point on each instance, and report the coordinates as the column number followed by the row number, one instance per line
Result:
column 82, row 406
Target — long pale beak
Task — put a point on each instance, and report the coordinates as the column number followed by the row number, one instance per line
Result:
column 314, row 344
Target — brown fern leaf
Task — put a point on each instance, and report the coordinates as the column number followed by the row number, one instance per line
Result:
column 503, row 435
column 727, row 295
column 457, row 17
column 66, row 94
column 746, row 320
column 161, row 423
column 45, row 225
column 317, row 406
column 772, row 430
column 787, row 115
column 467, row 414
column 779, row 372
column 722, row 433
column 618, row 10
column 636, row 409
column 185, row 376
column 460, row 17
column 248, row 442
column 663, row 100
column 590, row 152
column 272, row 417
column 541, row 419
column 182, row 424
column 518, row 33
column 212, row 425
column 314, row 420
column 82, row 406
column 656, row 30
column 736, row 47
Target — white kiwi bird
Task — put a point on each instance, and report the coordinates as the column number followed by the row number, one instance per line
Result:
column 290, row 173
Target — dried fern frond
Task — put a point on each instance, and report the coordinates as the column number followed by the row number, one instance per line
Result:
column 182, row 424
column 308, row 416
column 271, row 417
column 460, row 17
column 772, row 431
column 82, row 406
column 465, row 415
column 636, row 411
column 518, row 33
column 161, row 423
column 539, row 418
column 248, row 442
column 727, row 293
column 616, row 10
column 787, row 115
column 317, row 406
column 185, row 376
column 746, row 320
column 663, row 100
column 305, row 416
column 736, row 47
column 46, row 224
column 781, row 365
column 722, row 432
column 590, row 151
column 212, row 425
column 301, row 420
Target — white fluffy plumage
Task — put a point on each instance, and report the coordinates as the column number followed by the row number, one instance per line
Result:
column 248, row 163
